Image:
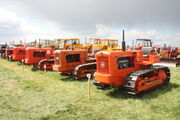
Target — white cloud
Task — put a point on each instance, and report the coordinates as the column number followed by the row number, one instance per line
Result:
column 103, row 31
column 8, row 18
column 14, row 28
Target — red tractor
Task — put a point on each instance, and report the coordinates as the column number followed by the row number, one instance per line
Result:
column 130, row 69
column 9, row 50
column 170, row 53
column 39, row 57
column 18, row 54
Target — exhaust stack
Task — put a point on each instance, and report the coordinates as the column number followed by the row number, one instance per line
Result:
column 123, row 43
column 39, row 45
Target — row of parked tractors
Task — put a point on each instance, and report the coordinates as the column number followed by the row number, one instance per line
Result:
column 102, row 58
column 66, row 56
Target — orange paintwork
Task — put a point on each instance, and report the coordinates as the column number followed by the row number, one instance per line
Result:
column 32, row 59
column 18, row 53
column 60, row 61
column 155, row 80
column 107, row 65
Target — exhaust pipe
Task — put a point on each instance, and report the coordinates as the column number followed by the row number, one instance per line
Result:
column 39, row 43
column 123, row 43
column 65, row 44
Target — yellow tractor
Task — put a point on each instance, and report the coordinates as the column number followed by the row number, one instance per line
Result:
column 46, row 43
column 72, row 43
column 59, row 43
column 93, row 44
column 110, row 44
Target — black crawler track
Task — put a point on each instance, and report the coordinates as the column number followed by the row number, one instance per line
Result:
column 131, row 79
column 40, row 64
column 88, row 67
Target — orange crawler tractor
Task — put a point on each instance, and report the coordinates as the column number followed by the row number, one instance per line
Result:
column 130, row 69
column 18, row 54
column 74, row 62
column 39, row 57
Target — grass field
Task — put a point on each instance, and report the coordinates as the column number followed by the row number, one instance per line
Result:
column 26, row 94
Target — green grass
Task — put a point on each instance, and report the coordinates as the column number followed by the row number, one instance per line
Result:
column 26, row 94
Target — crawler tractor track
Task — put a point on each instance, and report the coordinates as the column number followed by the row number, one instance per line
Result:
column 82, row 70
column 47, row 62
column 146, row 79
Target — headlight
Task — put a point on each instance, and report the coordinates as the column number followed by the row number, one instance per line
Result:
column 102, row 64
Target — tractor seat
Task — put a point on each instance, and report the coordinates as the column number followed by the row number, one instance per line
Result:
column 146, row 51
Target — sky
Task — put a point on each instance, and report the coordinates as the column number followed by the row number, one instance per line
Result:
column 30, row 20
